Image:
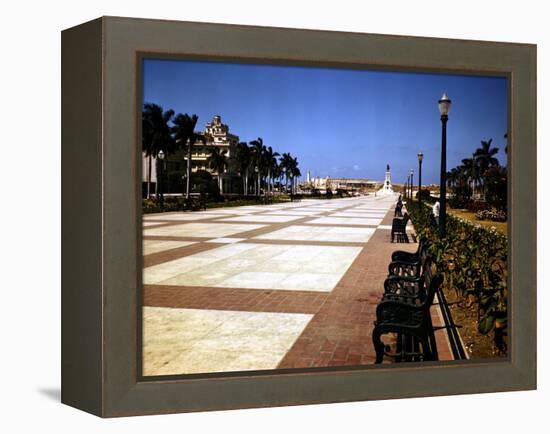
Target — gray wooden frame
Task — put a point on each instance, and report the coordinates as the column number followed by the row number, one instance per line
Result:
column 101, row 222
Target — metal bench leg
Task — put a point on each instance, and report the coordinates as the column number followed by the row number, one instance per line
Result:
column 378, row 345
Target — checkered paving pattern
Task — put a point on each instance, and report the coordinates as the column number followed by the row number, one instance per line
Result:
column 291, row 285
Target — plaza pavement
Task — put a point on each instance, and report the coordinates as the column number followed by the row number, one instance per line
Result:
column 292, row 285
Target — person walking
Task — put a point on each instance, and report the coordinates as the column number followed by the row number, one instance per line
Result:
column 435, row 213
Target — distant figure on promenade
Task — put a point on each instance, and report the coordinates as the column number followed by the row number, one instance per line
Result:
column 435, row 213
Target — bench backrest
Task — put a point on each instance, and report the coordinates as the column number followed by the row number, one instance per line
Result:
column 432, row 281
column 423, row 253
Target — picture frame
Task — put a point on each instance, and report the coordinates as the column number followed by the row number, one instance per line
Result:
column 101, row 222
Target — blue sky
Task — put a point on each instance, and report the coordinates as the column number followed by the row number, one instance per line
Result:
column 338, row 122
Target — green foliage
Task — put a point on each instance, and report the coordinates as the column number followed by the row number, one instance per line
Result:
column 175, row 181
column 474, row 262
column 496, row 187
column 179, row 203
column 482, row 176
column 462, row 193
column 476, row 205
column 424, row 194
column 202, row 182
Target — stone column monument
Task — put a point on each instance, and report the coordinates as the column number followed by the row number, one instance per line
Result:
column 387, row 188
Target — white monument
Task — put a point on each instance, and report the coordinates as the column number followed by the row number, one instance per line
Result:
column 387, row 187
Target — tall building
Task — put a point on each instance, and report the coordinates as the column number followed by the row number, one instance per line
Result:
column 218, row 136
column 351, row 185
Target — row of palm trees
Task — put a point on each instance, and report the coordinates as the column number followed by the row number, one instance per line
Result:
column 473, row 173
column 158, row 135
column 261, row 164
column 255, row 162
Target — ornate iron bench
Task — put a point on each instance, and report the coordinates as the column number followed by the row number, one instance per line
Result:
column 402, row 255
column 399, row 229
column 408, row 287
column 398, row 210
column 405, row 312
column 409, row 264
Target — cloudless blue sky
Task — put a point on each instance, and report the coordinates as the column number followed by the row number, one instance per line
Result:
column 338, row 122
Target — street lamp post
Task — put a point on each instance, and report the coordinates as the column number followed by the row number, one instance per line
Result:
column 420, row 157
column 412, row 184
column 444, row 108
column 188, row 180
column 160, row 178
column 407, row 187
column 257, row 171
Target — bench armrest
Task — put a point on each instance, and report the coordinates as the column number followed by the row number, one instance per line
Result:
column 402, row 256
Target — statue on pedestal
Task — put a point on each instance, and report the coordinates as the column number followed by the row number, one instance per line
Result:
column 387, row 188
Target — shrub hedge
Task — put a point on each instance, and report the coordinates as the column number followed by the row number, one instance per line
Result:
column 179, row 204
column 474, row 261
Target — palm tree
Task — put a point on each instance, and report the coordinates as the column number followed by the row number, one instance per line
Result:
column 258, row 150
column 485, row 156
column 286, row 162
column 295, row 172
column 270, row 159
column 277, row 173
column 471, row 170
column 289, row 166
column 156, row 135
column 243, row 156
column 217, row 161
column 452, row 177
column 186, row 137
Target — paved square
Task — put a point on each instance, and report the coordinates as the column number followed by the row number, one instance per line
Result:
column 226, row 240
column 294, row 212
column 145, row 224
column 208, row 230
column 258, row 266
column 318, row 233
column 262, row 218
column 337, row 221
column 183, row 216
column 155, row 246
column 289, row 285
column 190, row 341
column 359, row 214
